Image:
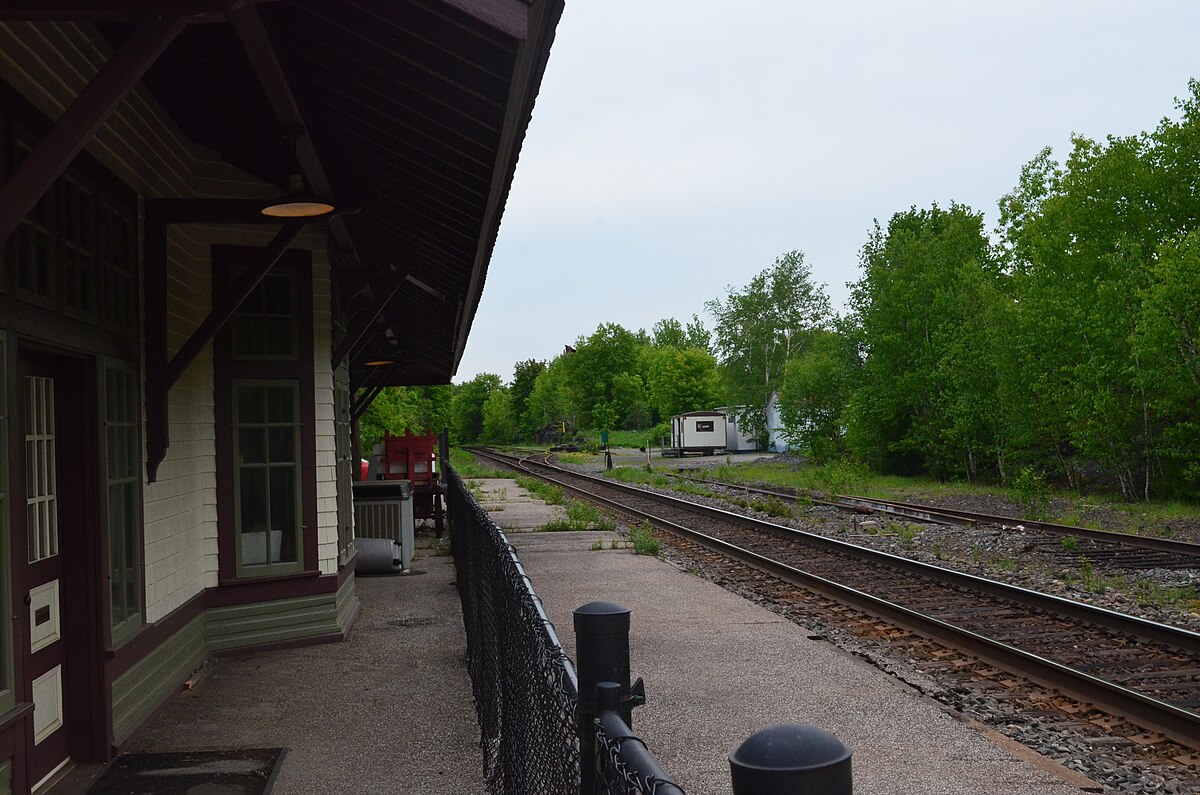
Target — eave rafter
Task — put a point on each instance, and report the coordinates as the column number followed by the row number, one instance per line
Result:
column 264, row 60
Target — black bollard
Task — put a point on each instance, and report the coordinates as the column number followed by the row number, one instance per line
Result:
column 602, row 655
column 791, row 759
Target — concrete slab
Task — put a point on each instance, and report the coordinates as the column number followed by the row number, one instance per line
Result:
column 718, row 668
column 388, row 710
column 512, row 506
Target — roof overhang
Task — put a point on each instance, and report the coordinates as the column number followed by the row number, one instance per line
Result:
column 409, row 113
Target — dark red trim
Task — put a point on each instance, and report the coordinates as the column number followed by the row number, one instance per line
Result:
column 151, row 636
column 511, row 17
column 346, row 568
column 16, row 715
column 261, row 589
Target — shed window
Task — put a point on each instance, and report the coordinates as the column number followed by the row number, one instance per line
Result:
column 704, row 425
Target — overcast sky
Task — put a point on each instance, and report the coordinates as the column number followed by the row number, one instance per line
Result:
column 678, row 146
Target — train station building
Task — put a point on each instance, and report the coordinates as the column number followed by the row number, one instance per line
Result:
column 223, row 227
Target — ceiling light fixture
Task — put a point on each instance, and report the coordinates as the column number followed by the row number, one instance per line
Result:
column 297, row 203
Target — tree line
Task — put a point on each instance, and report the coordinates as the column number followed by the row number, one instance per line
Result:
column 1065, row 343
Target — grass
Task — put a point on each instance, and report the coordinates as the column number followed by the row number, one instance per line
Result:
column 1061, row 507
column 546, row 492
column 581, row 516
column 574, row 458
column 644, row 540
column 1146, row 593
column 467, row 466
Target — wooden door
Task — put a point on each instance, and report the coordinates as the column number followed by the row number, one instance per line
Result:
column 60, row 617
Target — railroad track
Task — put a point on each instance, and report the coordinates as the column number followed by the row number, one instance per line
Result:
column 1106, row 548
column 1143, row 671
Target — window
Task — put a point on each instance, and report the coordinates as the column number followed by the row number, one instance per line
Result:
column 34, row 250
column 266, row 409
column 123, row 457
column 704, row 425
column 78, row 225
column 7, row 700
column 77, row 251
column 41, row 485
column 265, row 324
column 117, row 252
column 345, row 461
column 267, row 477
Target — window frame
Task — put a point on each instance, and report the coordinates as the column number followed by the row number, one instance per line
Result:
column 119, row 632
column 242, row 569
column 227, row 262
column 7, row 642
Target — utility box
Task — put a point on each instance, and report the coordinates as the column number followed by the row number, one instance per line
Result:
column 383, row 509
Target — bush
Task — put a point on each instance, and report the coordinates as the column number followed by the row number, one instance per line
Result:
column 644, row 541
column 1029, row 489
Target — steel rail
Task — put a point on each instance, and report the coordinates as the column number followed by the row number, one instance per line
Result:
column 1101, row 536
column 1179, row 724
column 923, row 513
column 954, row 516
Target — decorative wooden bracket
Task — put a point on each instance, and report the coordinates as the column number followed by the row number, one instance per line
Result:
column 37, row 172
column 162, row 373
column 355, row 334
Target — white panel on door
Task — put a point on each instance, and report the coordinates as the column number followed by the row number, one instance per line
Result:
column 44, row 625
column 47, row 704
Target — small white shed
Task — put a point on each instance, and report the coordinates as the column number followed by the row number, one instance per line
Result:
column 698, row 432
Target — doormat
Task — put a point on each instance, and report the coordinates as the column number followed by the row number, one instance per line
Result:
column 241, row 770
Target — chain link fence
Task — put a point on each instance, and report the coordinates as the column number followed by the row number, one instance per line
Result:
column 525, row 687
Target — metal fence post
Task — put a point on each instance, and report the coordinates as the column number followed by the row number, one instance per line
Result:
column 791, row 759
column 602, row 655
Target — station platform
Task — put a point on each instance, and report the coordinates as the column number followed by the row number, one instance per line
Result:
column 387, row 710
column 390, row 709
column 718, row 668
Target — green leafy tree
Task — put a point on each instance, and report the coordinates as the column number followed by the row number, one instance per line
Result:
column 917, row 408
column 399, row 410
column 681, row 380
column 1167, row 347
column 670, row 333
column 547, row 405
column 499, row 417
column 1081, row 240
column 467, row 407
column 590, row 373
column 525, row 375
column 816, row 395
column 763, row 325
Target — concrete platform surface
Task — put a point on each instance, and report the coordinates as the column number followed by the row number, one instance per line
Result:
column 718, row 668
column 388, row 710
column 512, row 507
